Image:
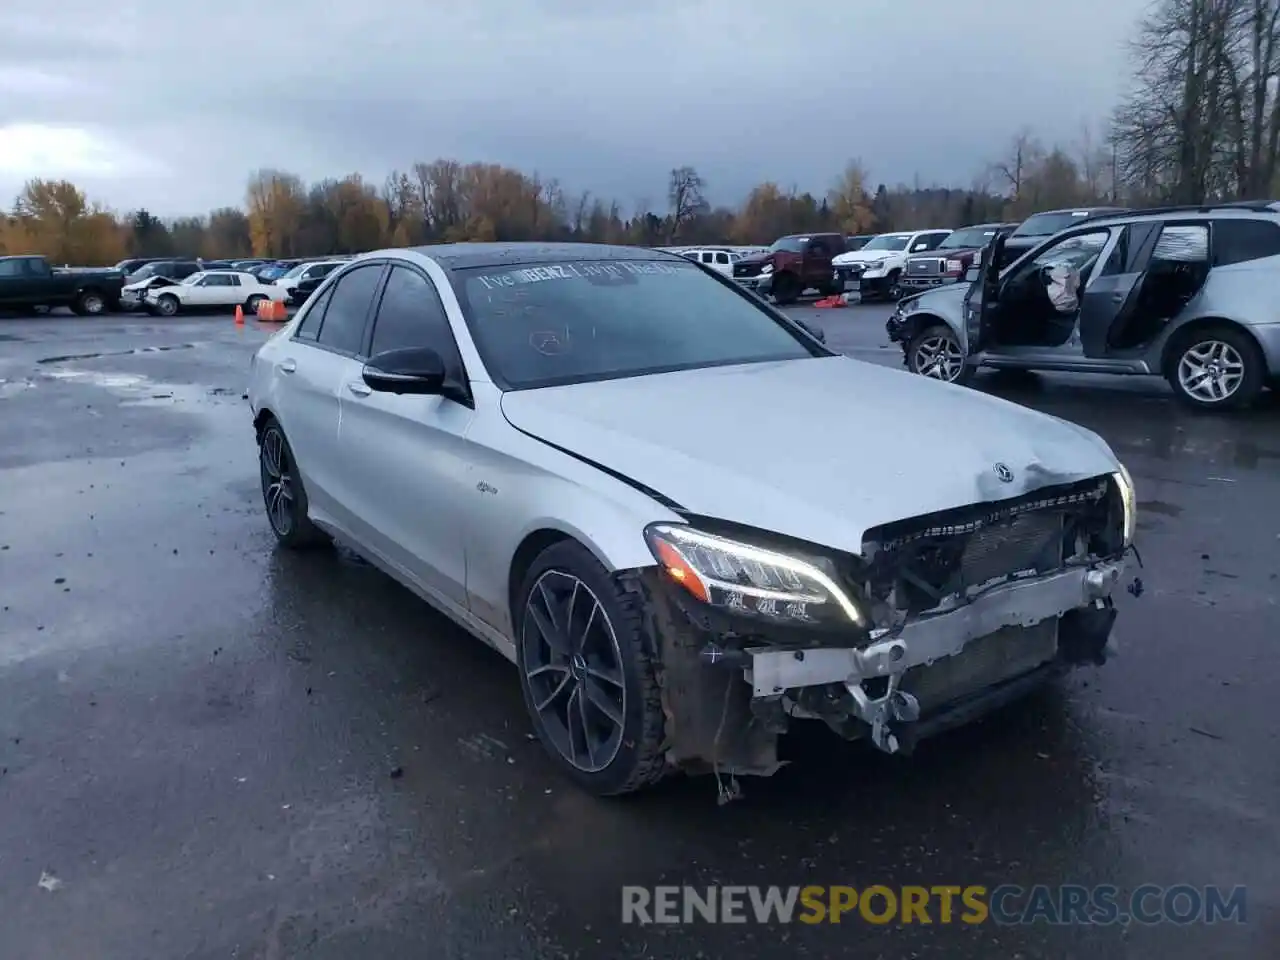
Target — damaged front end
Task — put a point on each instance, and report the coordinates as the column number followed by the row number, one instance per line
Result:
column 940, row 619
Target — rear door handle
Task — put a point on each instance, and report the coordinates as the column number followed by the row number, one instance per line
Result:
column 288, row 366
column 359, row 389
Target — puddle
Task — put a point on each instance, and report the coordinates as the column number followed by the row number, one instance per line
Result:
column 11, row 388
column 138, row 390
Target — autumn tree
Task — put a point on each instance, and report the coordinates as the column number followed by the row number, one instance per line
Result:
column 147, row 235
column 275, row 201
column 227, row 235
column 54, row 218
column 850, row 205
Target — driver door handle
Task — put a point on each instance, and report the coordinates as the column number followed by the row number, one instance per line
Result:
column 288, row 366
column 359, row 389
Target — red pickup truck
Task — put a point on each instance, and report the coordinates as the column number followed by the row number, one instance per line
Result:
column 793, row 265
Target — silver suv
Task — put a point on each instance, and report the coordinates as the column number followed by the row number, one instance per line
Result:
column 1188, row 293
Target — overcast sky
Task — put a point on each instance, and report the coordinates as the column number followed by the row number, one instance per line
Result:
column 169, row 104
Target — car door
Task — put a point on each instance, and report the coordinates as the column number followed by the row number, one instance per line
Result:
column 14, row 282
column 320, row 356
column 1112, row 293
column 219, row 290
column 403, row 464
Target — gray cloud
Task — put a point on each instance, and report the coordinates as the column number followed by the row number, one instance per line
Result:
column 606, row 97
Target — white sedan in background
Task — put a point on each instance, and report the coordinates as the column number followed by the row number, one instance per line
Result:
column 311, row 270
column 213, row 290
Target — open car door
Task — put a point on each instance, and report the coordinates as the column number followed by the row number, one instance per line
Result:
column 1112, row 296
column 980, row 301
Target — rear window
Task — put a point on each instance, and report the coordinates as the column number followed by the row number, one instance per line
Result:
column 578, row 321
column 1047, row 224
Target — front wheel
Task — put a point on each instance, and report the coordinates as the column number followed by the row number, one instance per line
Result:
column 587, row 672
column 1217, row 368
column 786, row 289
column 935, row 352
column 89, row 303
column 167, row 305
column 893, row 289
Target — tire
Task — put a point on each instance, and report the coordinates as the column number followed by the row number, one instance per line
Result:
column 940, row 342
column 786, row 289
column 606, row 657
column 893, row 290
column 89, row 303
column 1233, row 354
column 167, row 305
column 283, row 495
column 251, row 305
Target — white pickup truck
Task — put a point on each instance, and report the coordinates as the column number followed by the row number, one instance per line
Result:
column 877, row 268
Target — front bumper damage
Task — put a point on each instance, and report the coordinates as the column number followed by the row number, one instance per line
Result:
column 928, row 660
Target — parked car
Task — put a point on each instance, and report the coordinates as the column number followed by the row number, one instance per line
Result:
column 30, row 282
column 248, row 264
column 857, row 242
column 792, row 265
column 212, row 290
column 166, row 269
column 307, row 270
column 134, row 295
column 1041, row 226
column 133, row 264
column 1180, row 292
column 273, row 271
column 877, row 268
column 517, row 447
column 948, row 262
column 719, row 260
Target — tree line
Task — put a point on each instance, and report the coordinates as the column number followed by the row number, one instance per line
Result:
column 1200, row 121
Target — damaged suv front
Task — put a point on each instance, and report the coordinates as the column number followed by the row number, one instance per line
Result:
column 937, row 620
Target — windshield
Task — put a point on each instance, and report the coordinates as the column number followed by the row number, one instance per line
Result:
column 1047, row 224
column 966, row 239
column 193, row 279
column 888, row 241
column 294, row 271
column 789, row 244
column 582, row 321
column 146, row 273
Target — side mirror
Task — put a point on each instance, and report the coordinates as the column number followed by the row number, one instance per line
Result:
column 410, row 370
column 973, row 274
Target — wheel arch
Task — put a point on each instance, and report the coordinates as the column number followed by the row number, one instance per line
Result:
column 1169, row 355
column 914, row 323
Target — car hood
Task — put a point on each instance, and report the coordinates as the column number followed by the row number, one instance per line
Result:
column 950, row 253
column 865, row 256
column 820, row 449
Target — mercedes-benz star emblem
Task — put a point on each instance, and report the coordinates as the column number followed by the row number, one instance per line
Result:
column 1004, row 473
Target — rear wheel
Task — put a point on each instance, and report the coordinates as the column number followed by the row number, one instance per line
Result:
column 587, row 672
column 282, row 491
column 251, row 305
column 935, row 352
column 1216, row 368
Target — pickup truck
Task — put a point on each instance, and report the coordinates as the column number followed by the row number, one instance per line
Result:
column 28, row 282
column 791, row 266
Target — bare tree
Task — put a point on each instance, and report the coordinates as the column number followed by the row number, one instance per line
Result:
column 1024, row 152
column 684, row 192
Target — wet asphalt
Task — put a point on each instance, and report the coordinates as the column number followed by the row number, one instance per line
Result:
column 209, row 748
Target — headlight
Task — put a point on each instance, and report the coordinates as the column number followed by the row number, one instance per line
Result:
column 873, row 267
column 954, row 266
column 766, row 269
column 1128, row 501
column 742, row 578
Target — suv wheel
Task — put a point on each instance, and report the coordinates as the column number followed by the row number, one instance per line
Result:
column 894, row 289
column 282, row 492
column 935, row 352
column 587, row 673
column 1216, row 368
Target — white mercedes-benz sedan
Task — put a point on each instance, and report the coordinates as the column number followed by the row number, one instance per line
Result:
column 686, row 521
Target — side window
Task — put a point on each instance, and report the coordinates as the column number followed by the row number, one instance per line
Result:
column 1078, row 251
column 233, row 280
column 708, row 256
column 819, row 248
column 10, row 268
column 205, row 282
column 219, row 280
column 311, row 320
column 1237, row 241
column 722, row 258
column 348, row 308
column 1182, row 243
column 1118, row 259
column 411, row 315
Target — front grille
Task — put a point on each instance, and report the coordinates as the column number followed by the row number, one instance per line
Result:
column 924, row 268
column 747, row 269
column 913, row 564
column 1004, row 655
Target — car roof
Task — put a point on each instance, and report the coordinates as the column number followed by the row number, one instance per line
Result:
column 458, row 256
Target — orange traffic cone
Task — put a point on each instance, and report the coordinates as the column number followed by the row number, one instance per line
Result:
column 239, row 315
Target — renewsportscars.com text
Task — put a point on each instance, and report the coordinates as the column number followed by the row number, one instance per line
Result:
column 1007, row 904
